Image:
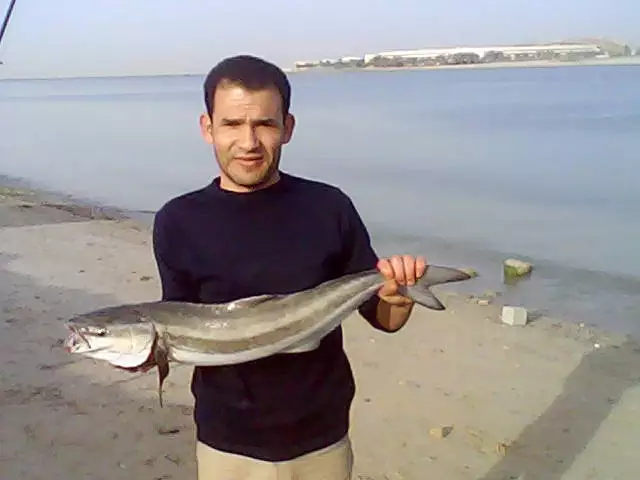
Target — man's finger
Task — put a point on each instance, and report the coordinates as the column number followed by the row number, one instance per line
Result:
column 399, row 273
column 385, row 268
column 409, row 269
column 421, row 266
column 389, row 289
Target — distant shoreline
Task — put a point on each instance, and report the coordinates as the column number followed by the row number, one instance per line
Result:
column 622, row 61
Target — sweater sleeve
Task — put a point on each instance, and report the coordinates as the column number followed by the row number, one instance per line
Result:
column 176, row 284
column 359, row 255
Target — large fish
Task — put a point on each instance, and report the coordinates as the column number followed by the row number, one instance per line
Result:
column 156, row 333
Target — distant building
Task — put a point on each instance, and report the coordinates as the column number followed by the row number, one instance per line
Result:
column 300, row 64
column 482, row 51
column 562, row 51
column 344, row 62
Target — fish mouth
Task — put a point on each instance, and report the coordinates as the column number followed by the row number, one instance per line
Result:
column 76, row 338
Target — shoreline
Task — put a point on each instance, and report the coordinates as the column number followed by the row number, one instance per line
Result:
column 27, row 191
column 549, row 400
column 489, row 289
column 16, row 193
column 624, row 61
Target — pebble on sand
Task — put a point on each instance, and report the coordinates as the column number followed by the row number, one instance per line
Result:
column 440, row 432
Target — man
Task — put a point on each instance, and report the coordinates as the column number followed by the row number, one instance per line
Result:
column 256, row 230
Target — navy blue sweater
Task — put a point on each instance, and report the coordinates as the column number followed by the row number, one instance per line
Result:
column 212, row 245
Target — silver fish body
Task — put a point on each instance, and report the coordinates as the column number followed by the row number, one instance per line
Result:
column 234, row 332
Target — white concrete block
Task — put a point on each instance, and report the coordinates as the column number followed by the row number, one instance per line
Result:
column 514, row 316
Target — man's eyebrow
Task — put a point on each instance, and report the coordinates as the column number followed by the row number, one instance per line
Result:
column 268, row 121
column 232, row 120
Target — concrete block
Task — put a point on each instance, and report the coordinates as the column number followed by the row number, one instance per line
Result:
column 514, row 316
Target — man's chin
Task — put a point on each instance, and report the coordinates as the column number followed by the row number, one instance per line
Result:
column 254, row 180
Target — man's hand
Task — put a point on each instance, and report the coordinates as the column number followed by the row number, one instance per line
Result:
column 399, row 270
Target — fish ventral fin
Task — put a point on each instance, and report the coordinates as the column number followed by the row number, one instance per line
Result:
column 434, row 275
column 161, row 359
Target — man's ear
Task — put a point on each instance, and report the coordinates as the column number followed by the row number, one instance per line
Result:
column 289, row 126
column 206, row 128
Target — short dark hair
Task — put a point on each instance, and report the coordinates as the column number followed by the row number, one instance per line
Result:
column 250, row 72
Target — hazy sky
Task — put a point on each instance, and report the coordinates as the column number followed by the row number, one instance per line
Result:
column 123, row 37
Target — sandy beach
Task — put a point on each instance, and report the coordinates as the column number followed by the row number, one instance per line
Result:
column 549, row 401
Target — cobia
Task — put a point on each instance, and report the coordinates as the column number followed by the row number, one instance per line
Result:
column 157, row 333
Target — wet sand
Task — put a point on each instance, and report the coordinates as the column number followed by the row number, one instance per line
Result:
column 548, row 401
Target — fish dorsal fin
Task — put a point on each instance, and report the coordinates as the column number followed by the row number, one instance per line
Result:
column 250, row 302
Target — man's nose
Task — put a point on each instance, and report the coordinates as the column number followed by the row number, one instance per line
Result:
column 248, row 138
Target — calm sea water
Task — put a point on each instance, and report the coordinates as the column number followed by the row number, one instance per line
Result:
column 465, row 166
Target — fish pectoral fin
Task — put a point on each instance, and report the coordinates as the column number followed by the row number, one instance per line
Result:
column 250, row 301
column 162, row 361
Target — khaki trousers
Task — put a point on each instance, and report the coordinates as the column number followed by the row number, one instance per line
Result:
column 331, row 463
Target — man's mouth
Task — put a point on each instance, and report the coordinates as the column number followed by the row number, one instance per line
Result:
column 250, row 159
column 250, row 163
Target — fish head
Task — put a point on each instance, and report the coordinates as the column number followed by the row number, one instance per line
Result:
column 119, row 336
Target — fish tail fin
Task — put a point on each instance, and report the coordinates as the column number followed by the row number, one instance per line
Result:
column 421, row 294
column 435, row 275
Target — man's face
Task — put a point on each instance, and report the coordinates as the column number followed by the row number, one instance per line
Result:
column 247, row 130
